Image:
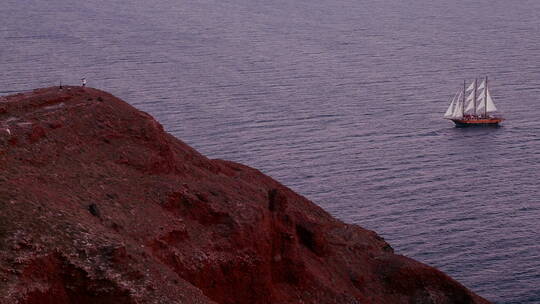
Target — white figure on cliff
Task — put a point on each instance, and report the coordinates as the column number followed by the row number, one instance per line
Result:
column 83, row 82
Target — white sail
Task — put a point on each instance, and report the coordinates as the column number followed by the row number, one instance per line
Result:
column 482, row 85
column 458, row 108
column 470, row 97
column 480, row 107
column 450, row 110
column 469, row 107
column 471, row 86
column 481, row 100
column 479, row 97
column 490, row 105
column 469, row 103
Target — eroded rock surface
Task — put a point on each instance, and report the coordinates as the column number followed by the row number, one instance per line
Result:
column 99, row 205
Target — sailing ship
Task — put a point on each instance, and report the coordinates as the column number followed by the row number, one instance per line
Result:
column 477, row 109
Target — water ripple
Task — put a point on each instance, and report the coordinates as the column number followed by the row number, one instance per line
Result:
column 340, row 100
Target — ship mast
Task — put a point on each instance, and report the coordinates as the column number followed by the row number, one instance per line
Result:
column 463, row 100
column 474, row 98
column 485, row 97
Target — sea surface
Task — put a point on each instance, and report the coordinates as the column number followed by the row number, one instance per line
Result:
column 341, row 100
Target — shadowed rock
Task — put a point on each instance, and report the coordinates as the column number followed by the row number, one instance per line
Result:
column 172, row 225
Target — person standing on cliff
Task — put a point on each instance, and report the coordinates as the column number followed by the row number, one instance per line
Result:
column 83, row 82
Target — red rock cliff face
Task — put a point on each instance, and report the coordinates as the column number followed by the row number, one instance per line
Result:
column 99, row 205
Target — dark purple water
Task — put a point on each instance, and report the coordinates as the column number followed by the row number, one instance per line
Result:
column 342, row 100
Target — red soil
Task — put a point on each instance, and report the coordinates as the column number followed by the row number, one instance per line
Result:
column 99, row 205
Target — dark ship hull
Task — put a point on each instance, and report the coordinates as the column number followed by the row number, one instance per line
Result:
column 478, row 122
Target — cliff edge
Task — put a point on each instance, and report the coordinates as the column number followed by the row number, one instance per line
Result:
column 99, row 205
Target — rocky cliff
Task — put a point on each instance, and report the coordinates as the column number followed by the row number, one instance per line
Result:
column 99, row 205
